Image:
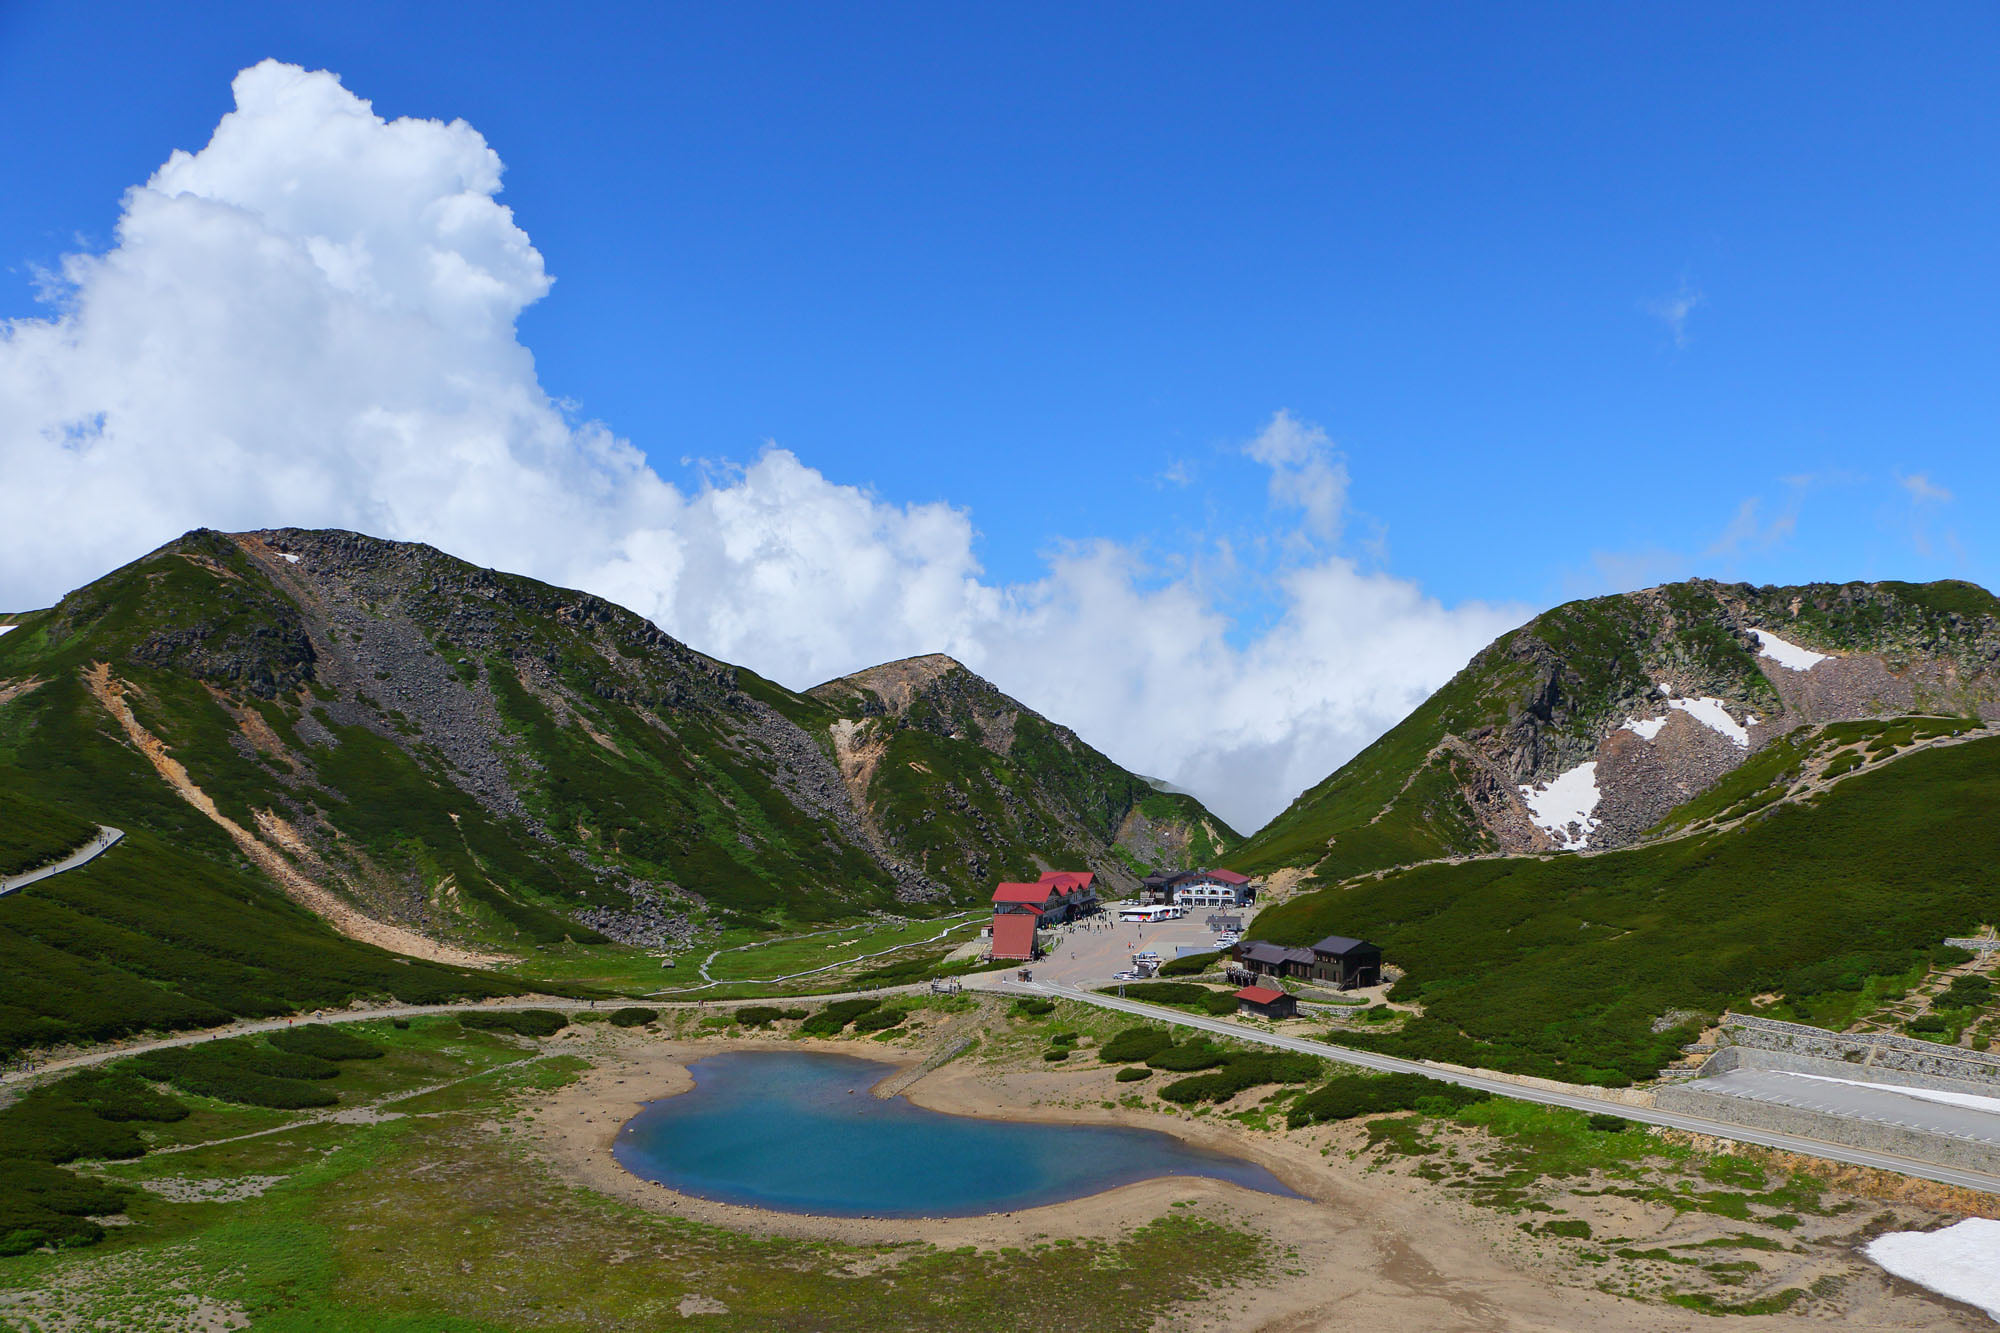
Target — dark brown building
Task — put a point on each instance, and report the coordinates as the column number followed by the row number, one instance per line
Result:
column 1335, row 961
column 1347, row 964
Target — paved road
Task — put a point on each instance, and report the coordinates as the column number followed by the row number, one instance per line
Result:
column 1880, row 1102
column 107, row 838
column 1578, row 1101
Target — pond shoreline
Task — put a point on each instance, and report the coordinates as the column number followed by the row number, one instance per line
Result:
column 577, row 1126
column 1356, row 1241
column 771, row 1130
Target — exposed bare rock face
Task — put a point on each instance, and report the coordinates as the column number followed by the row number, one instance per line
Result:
column 437, row 751
column 947, row 767
column 1582, row 729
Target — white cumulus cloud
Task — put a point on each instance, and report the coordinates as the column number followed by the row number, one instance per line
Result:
column 311, row 321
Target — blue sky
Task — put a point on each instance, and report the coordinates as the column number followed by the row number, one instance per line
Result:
column 1029, row 262
column 1582, row 298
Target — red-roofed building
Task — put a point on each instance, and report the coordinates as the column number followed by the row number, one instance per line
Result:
column 1021, row 909
column 1265, row 1002
column 1014, row 935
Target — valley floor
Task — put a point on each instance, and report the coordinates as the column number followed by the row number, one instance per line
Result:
column 465, row 1183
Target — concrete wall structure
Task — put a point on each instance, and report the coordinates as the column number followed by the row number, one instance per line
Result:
column 1881, row 1057
column 1748, row 1042
column 1874, row 1135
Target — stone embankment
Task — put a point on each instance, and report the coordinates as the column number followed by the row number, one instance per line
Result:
column 1748, row 1041
column 1751, row 1044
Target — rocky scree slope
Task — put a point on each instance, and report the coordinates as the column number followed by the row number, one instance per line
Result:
column 422, row 750
column 1584, row 728
column 954, row 772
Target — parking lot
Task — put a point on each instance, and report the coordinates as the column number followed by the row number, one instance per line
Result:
column 1088, row 953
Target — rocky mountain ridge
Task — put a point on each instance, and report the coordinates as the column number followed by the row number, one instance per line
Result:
column 1586, row 726
column 478, row 758
column 892, row 715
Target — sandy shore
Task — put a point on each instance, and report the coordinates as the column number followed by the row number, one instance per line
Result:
column 1361, row 1246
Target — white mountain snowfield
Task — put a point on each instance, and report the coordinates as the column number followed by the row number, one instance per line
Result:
column 1788, row 655
column 5, row 628
column 1961, row 1261
column 1568, row 798
column 1571, row 797
column 1714, row 714
column 1711, row 713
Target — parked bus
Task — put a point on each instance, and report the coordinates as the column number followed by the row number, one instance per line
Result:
column 1151, row 912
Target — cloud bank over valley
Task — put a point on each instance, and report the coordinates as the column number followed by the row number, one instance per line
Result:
column 311, row 321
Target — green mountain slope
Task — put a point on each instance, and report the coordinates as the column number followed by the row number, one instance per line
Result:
column 949, row 768
column 1564, row 966
column 472, row 767
column 1559, row 692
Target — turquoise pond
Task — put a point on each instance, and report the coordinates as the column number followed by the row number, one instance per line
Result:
column 799, row 1133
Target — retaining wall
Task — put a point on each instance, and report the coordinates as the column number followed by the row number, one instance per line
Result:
column 1872, row 1135
column 1881, row 1056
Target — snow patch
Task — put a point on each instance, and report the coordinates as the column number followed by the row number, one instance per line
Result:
column 1788, row 655
column 1563, row 807
column 1647, row 728
column 288, row 557
column 1711, row 713
column 5, row 628
column 1961, row 1261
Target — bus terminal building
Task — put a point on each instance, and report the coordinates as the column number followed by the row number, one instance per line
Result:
column 1198, row 888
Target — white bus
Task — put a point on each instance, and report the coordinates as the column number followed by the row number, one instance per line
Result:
column 1151, row 912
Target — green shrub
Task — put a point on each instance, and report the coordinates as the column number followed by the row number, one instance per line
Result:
column 400, row 1024
column 1378, row 1013
column 1056, row 1055
column 633, row 1016
column 1353, row 1095
column 1608, row 1124
column 1186, row 1058
column 1133, row 1073
column 831, row 1020
column 1063, row 1039
column 1190, row 965
column 118, row 1096
column 1183, row 995
column 879, row 1020
column 1972, row 991
column 1241, row 1071
column 325, row 1043
column 759, row 1015
column 87, row 1115
column 1573, row 1227
column 520, row 1022
column 1034, row 1008
column 236, row 1071
column 1134, row 1044
column 793, row 1013
column 46, row 1205
column 1927, row 1023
